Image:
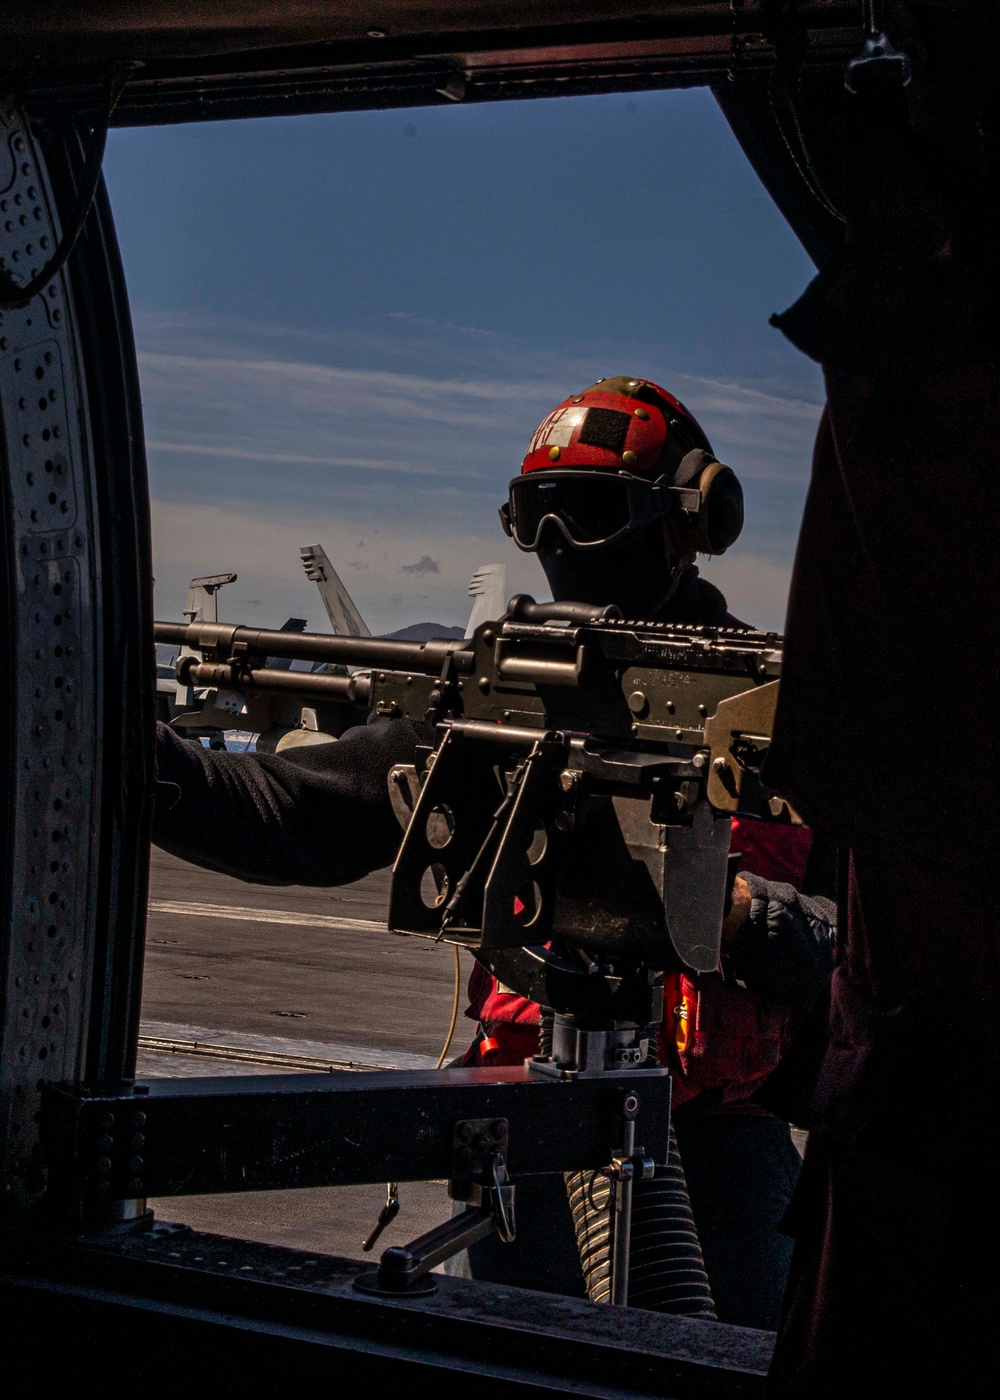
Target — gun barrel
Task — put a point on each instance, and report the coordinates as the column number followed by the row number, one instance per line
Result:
column 426, row 658
column 356, row 690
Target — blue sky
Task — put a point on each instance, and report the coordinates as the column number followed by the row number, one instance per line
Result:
column 349, row 326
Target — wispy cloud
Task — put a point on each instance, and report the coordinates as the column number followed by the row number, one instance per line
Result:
column 327, row 386
column 246, row 454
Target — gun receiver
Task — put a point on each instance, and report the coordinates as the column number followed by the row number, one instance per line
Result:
column 571, row 815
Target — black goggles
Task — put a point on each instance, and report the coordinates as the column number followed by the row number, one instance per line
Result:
column 592, row 509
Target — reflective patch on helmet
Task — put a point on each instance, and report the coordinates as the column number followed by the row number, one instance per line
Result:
column 557, row 429
column 604, row 427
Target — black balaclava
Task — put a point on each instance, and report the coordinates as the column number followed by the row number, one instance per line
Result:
column 635, row 575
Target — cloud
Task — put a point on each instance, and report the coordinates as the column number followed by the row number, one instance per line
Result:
column 424, row 565
column 335, row 390
column 243, row 454
column 469, row 422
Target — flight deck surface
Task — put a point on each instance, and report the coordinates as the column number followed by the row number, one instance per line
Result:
column 244, row 979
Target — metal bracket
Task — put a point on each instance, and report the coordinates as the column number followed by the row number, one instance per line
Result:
column 404, row 789
column 405, row 1269
column 476, row 1142
column 627, row 1166
column 479, row 1179
column 738, row 735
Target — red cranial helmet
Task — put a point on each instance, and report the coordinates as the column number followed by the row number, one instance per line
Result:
column 617, row 424
column 609, row 462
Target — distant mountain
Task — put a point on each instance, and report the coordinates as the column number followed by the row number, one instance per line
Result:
column 424, row 632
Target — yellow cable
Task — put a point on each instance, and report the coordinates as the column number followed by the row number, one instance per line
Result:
column 454, row 1009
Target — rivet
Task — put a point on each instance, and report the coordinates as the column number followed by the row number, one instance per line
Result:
column 554, row 454
column 577, row 398
column 641, row 413
column 629, row 458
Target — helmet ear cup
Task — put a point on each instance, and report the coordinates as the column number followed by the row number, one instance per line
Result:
column 715, row 517
column 720, row 515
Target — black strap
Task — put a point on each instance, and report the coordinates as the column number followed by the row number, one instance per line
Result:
column 14, row 295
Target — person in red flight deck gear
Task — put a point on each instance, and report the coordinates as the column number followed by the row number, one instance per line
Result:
column 618, row 493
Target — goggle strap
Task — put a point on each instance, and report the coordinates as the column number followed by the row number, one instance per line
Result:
column 688, row 497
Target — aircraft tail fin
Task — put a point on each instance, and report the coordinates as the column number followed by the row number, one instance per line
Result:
column 488, row 589
column 202, row 600
column 344, row 617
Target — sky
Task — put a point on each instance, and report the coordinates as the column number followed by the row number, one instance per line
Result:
column 349, row 326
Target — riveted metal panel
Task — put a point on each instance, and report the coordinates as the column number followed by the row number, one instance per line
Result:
column 54, row 722
column 58, row 528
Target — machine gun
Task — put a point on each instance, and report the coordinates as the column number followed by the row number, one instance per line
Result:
column 578, row 775
column 568, row 817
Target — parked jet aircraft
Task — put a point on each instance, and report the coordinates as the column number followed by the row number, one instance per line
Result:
column 173, row 699
column 345, row 620
column 214, row 715
column 487, row 588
